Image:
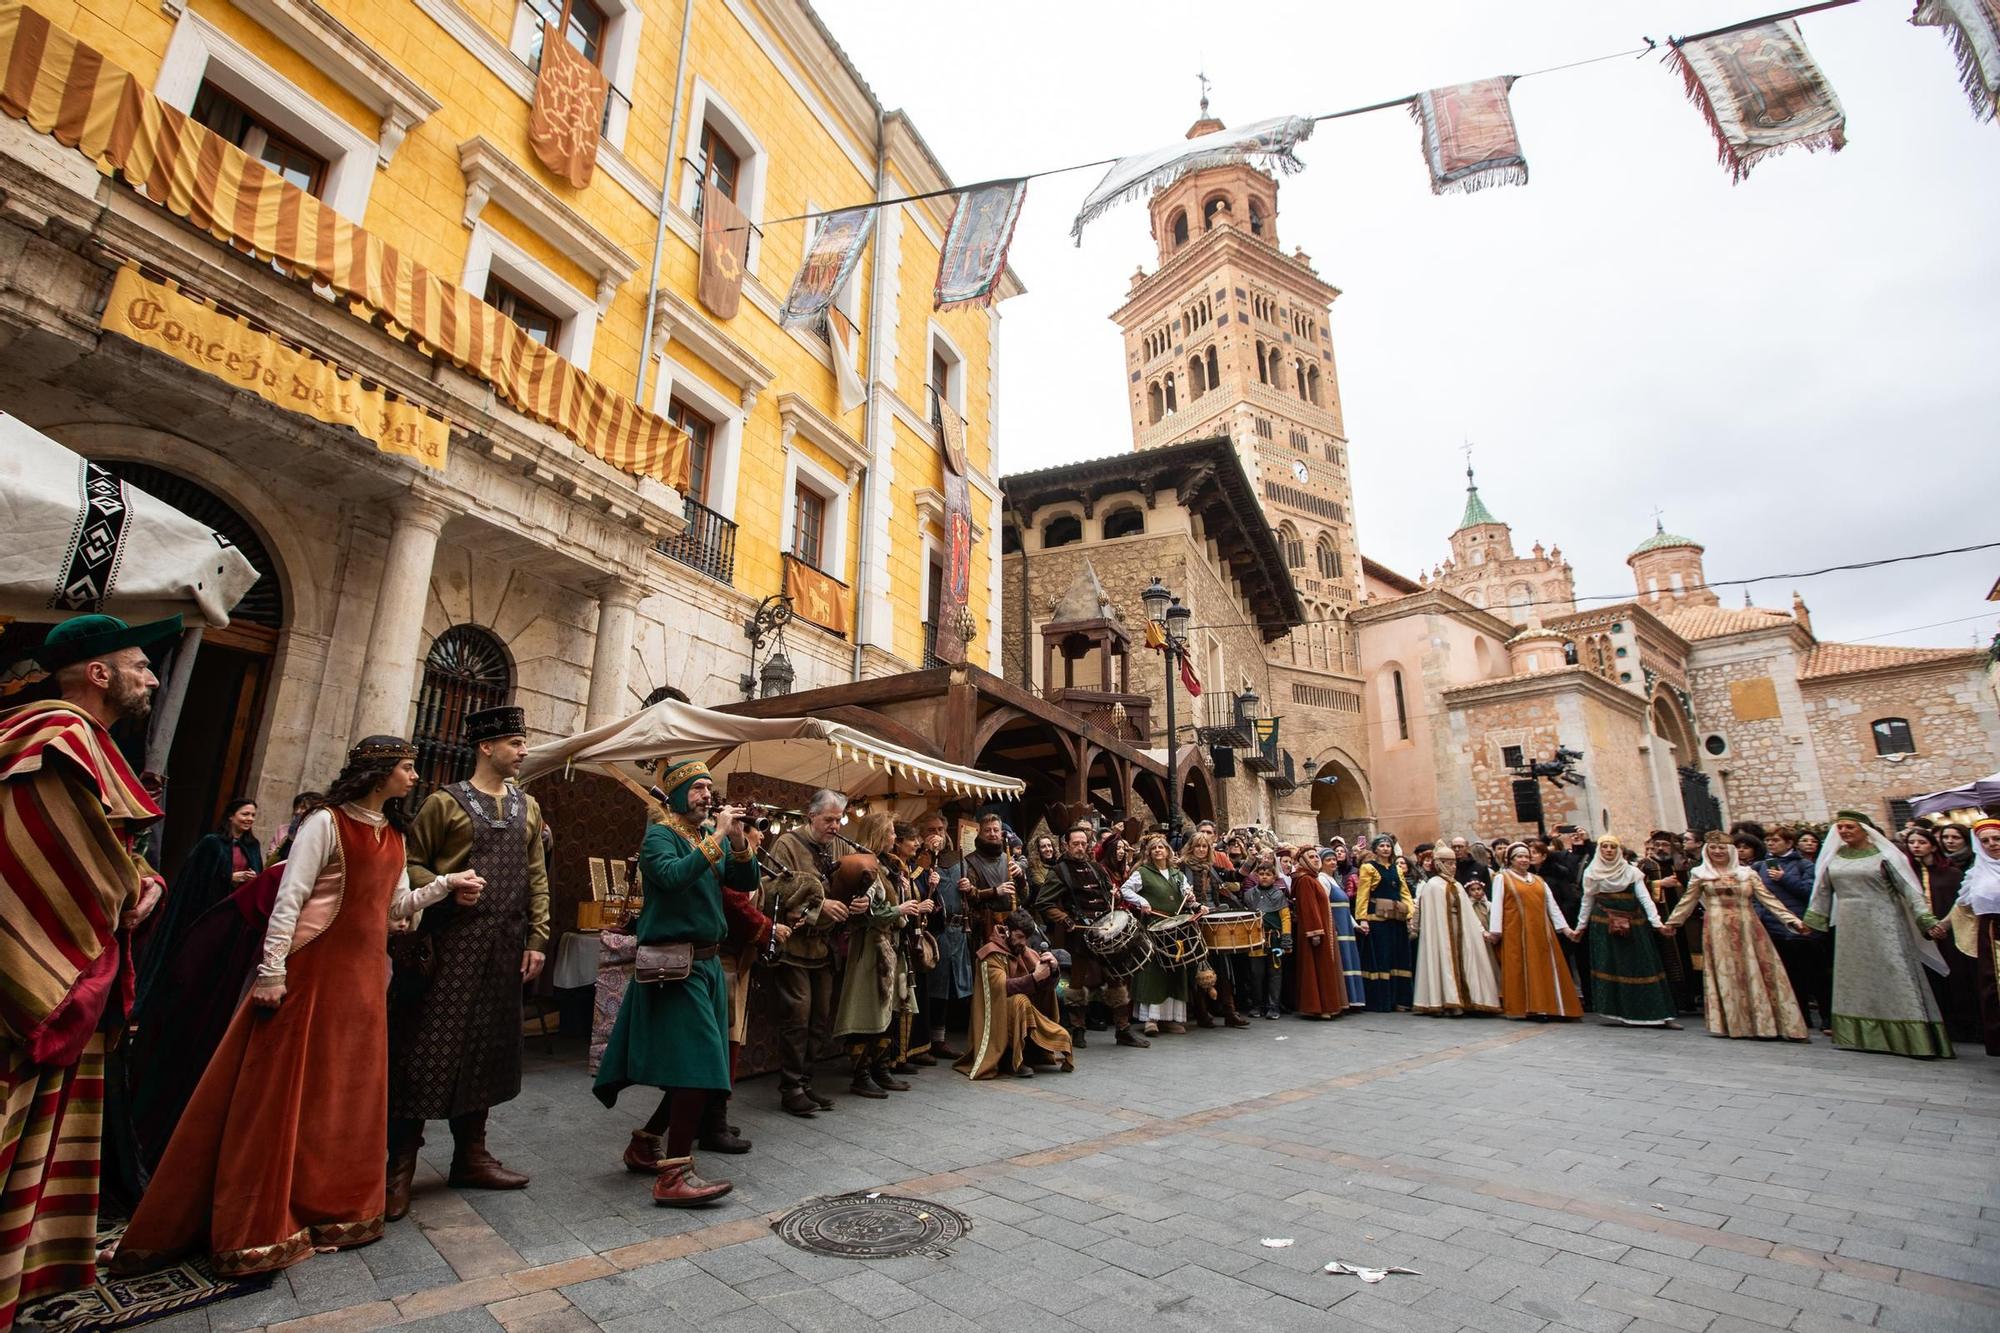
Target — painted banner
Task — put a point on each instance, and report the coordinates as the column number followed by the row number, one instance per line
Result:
column 1269, row 144
column 974, row 254
column 954, row 612
column 831, row 254
column 67, row 89
column 1469, row 137
column 1762, row 93
column 568, row 114
column 159, row 317
column 725, row 251
column 817, row 596
column 1974, row 29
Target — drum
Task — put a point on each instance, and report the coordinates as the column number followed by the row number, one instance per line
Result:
column 1121, row 944
column 1227, row 932
column 1177, row 941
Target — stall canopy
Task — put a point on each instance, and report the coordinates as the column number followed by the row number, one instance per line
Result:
column 1972, row 796
column 806, row 751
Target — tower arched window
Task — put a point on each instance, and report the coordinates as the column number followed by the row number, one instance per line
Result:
column 1209, row 210
column 1062, row 530
column 1402, row 706
column 1294, row 548
column 1263, row 369
column 1256, row 218
column 1277, row 369
column 1214, row 371
column 1197, row 376
column 466, row 670
column 1299, row 370
column 1312, row 384
column 1328, row 558
column 1155, row 403
column 1179, row 228
column 1173, row 398
column 1124, row 522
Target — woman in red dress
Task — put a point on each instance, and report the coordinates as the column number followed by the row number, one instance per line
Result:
column 1316, row 957
column 284, row 1149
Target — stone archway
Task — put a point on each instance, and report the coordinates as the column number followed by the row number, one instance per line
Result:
column 1340, row 800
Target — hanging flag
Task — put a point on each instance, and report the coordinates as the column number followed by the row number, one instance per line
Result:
column 817, row 596
column 1189, row 680
column 1265, row 729
column 568, row 114
column 1762, row 93
column 955, row 597
column 725, row 252
column 839, row 339
column 1156, row 635
column 1267, row 143
column 1974, row 29
column 974, row 254
column 831, row 254
column 1469, row 137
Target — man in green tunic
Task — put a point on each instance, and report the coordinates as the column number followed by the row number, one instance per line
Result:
column 674, row 1034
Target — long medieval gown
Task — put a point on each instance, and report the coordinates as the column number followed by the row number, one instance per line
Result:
column 1881, row 999
column 1454, row 967
column 284, row 1148
column 1628, row 980
column 1322, row 990
column 1159, row 992
column 1744, row 987
column 1383, row 901
column 1343, row 928
column 1535, row 980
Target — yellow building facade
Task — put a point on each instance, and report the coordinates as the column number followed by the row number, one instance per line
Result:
column 528, row 566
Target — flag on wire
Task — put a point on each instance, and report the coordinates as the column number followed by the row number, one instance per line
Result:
column 1974, row 29
column 830, row 258
column 568, row 111
column 1762, row 93
column 975, row 245
column 725, row 251
column 1469, row 137
column 1156, row 635
column 1267, row 143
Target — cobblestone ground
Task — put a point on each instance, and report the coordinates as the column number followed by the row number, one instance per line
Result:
column 1574, row 1177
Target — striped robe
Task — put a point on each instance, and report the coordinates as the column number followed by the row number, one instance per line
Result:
column 69, row 805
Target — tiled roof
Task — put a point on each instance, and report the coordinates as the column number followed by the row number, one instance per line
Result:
column 1845, row 659
column 1712, row 622
column 1662, row 539
column 1476, row 511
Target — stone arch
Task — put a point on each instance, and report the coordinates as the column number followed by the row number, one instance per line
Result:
column 1124, row 521
column 1215, row 206
column 1177, row 227
column 1340, row 806
column 1197, row 788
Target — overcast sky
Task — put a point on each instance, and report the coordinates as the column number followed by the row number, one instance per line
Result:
column 1799, row 370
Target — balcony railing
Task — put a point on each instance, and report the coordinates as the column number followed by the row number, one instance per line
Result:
column 707, row 544
column 1221, row 722
column 931, row 659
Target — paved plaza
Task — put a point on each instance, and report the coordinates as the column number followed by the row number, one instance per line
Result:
column 1573, row 1177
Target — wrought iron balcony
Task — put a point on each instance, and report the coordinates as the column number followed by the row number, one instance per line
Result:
column 707, row 544
column 1263, row 758
column 1222, row 722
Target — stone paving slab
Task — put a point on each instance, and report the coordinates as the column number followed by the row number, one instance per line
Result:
column 1579, row 1177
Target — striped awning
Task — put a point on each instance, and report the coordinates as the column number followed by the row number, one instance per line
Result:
column 67, row 89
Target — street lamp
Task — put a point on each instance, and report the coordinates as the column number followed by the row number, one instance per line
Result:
column 1166, row 612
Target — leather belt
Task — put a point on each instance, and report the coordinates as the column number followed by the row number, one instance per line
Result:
column 701, row 951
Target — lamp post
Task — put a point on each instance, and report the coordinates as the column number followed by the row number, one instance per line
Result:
column 1165, row 610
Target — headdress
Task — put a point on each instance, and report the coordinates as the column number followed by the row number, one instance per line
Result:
column 1151, row 840
column 1855, row 816
column 492, row 724
column 1981, row 891
column 81, row 638
column 1896, row 866
column 1381, row 840
column 1717, row 838
column 381, row 747
column 676, row 778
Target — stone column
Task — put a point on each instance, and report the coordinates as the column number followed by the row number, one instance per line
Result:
column 389, row 672
column 611, row 661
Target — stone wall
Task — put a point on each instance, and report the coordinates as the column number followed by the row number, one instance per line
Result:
column 1952, row 720
column 1745, row 689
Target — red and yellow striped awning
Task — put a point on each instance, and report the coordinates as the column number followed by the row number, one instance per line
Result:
column 67, row 89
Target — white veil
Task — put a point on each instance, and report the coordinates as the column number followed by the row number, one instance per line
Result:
column 1899, row 868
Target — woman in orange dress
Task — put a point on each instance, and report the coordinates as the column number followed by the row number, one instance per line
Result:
column 1529, row 928
column 1744, row 987
column 1322, row 985
column 284, row 1148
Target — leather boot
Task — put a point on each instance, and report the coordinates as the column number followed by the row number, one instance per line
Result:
column 795, row 1101
column 862, row 1085
column 885, row 1078
column 644, row 1154
column 822, row 1103
column 1127, row 1037
column 717, row 1134
column 402, row 1170
column 472, row 1167
column 677, row 1186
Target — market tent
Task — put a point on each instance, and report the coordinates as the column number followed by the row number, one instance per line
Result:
column 1973, row 795
column 808, row 751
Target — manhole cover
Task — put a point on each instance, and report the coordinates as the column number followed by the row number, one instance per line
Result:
column 857, row 1226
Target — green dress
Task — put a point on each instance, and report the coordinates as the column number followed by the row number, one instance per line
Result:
column 675, row 1034
column 1881, row 1001
column 876, row 985
column 1160, row 991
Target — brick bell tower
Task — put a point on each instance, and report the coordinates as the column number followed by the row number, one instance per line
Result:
column 1229, row 336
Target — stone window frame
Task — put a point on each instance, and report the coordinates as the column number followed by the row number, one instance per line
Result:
column 1909, row 735
column 492, row 177
column 832, row 489
column 490, row 253
column 725, row 450
column 940, row 341
column 348, row 60
column 200, row 52
column 733, row 126
column 619, row 58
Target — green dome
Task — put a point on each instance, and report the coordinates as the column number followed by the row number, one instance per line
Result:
column 1661, row 539
column 1476, row 511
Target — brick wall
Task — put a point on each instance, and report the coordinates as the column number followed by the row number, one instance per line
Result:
column 1746, row 690
column 1952, row 721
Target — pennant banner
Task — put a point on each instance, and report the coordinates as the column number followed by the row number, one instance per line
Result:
column 840, row 337
column 1974, row 29
column 1762, row 93
column 1469, row 136
column 817, row 596
column 1268, row 143
column 954, row 613
column 568, row 113
column 160, row 317
column 725, row 251
column 829, row 262
column 975, row 245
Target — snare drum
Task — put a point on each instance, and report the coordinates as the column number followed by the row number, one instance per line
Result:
column 1227, row 932
column 1177, row 941
column 1120, row 943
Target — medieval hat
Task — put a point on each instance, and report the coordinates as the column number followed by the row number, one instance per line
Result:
column 492, row 724
column 81, row 638
column 676, row 778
